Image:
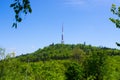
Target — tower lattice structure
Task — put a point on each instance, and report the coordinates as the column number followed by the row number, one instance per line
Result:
column 62, row 37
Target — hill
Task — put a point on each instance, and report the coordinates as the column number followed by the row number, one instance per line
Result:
column 64, row 62
column 61, row 51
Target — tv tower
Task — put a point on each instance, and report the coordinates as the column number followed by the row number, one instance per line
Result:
column 62, row 38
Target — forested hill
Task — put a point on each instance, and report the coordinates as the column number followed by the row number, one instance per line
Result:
column 63, row 62
column 65, row 51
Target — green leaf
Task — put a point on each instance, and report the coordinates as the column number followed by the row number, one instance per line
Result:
column 113, row 20
column 118, row 44
column 113, row 9
column 12, row 5
column 14, row 25
column 20, row 19
column 20, row 7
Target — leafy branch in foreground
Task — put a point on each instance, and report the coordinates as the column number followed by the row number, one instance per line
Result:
column 20, row 6
column 116, row 11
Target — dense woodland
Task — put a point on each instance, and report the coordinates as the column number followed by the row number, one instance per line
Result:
column 63, row 62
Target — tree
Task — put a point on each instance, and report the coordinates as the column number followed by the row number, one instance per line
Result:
column 20, row 6
column 116, row 11
column 93, row 65
column 10, row 55
column 78, row 54
column 2, row 53
column 74, row 72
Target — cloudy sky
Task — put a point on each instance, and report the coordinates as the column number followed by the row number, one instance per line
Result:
column 84, row 21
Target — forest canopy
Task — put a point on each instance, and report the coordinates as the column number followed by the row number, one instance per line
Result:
column 63, row 62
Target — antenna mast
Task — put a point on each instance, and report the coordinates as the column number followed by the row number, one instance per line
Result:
column 62, row 38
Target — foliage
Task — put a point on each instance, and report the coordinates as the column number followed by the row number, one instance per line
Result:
column 13, row 70
column 2, row 53
column 65, row 52
column 116, row 11
column 93, row 66
column 78, row 55
column 112, row 68
column 20, row 6
column 63, row 62
column 74, row 72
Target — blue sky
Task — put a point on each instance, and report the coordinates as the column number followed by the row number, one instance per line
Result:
column 84, row 21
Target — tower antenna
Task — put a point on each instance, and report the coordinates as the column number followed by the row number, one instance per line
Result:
column 62, row 37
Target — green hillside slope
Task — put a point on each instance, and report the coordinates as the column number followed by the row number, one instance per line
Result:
column 64, row 62
column 67, row 51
